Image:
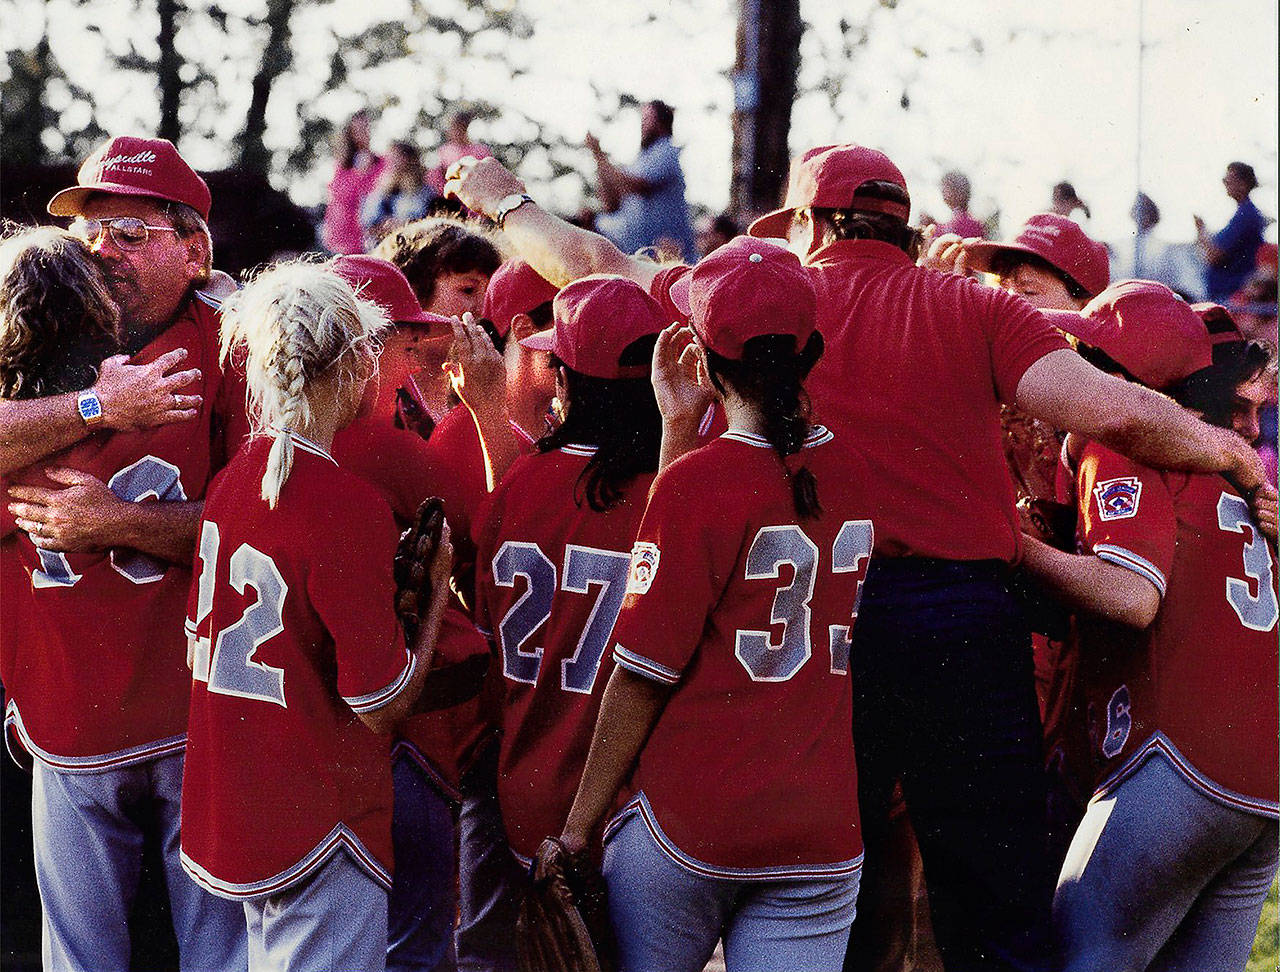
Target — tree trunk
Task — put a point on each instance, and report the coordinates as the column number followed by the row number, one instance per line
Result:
column 168, row 69
column 765, row 72
column 276, row 57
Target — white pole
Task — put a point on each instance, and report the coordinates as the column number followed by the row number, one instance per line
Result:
column 1142, row 50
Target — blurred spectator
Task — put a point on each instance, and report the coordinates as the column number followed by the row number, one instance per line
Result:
column 644, row 202
column 1065, row 202
column 457, row 145
column 715, row 231
column 354, row 177
column 955, row 193
column 1150, row 258
column 1230, row 254
column 401, row 195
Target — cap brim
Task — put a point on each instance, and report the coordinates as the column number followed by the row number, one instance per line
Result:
column 1077, row 325
column 679, row 294
column 70, row 202
column 424, row 318
column 982, row 255
column 540, row 341
column 771, row 226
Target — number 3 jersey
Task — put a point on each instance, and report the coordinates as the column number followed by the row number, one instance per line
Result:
column 1199, row 685
column 745, row 611
column 294, row 628
column 94, row 656
column 551, row 574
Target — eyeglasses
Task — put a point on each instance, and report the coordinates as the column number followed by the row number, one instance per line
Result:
column 127, row 232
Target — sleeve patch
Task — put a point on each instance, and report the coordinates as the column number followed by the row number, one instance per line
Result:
column 644, row 565
column 1118, row 498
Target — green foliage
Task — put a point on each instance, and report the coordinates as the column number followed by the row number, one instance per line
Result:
column 1266, row 946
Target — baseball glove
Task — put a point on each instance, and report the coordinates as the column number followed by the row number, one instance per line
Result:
column 414, row 553
column 564, row 917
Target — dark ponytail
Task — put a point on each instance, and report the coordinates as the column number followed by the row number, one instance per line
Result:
column 771, row 376
column 620, row 417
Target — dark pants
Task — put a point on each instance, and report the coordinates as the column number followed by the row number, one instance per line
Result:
column 944, row 699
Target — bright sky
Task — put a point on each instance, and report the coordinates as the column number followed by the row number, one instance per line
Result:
column 1053, row 94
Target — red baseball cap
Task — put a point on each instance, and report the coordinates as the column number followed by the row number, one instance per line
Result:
column 828, row 177
column 515, row 288
column 597, row 318
column 1144, row 326
column 745, row 289
column 381, row 282
column 1058, row 241
column 131, row 166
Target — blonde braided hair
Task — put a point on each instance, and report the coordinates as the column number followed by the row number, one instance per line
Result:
column 294, row 323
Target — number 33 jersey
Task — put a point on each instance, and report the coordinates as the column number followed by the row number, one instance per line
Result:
column 294, row 632
column 745, row 611
column 1199, row 685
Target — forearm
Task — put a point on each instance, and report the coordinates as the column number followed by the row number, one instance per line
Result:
column 1087, row 583
column 628, row 710
column 31, row 429
column 409, row 700
column 678, row 438
column 164, row 529
column 497, row 442
column 608, row 183
column 562, row 252
column 1070, row 394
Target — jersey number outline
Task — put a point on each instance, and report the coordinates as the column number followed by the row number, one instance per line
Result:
column 1258, row 613
column 583, row 568
column 230, row 668
column 148, row 478
column 773, row 546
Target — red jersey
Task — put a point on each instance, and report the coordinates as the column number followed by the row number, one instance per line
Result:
column 917, row 363
column 294, row 636
column 747, row 611
column 394, row 461
column 455, row 446
column 550, row 578
column 101, row 679
column 1199, row 685
column 405, row 469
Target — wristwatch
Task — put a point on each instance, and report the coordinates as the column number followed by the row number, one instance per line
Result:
column 508, row 205
column 89, row 405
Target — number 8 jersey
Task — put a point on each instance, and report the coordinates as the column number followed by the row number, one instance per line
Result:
column 294, row 630
column 746, row 611
column 1198, row 686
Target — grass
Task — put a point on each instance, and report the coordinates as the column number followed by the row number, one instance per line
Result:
column 1266, row 946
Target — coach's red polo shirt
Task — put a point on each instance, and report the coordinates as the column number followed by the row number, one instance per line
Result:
column 916, row 365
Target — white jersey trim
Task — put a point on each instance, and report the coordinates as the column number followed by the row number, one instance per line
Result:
column 796, row 872
column 1131, row 561
column 1160, row 745
column 208, row 299
column 376, row 700
column 337, row 839
column 644, row 666
column 88, row 764
column 300, row 441
column 818, row 434
column 578, row 449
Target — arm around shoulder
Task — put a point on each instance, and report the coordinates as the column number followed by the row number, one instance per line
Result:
column 1071, row 395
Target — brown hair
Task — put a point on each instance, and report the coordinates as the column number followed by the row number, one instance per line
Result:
column 427, row 248
column 57, row 318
